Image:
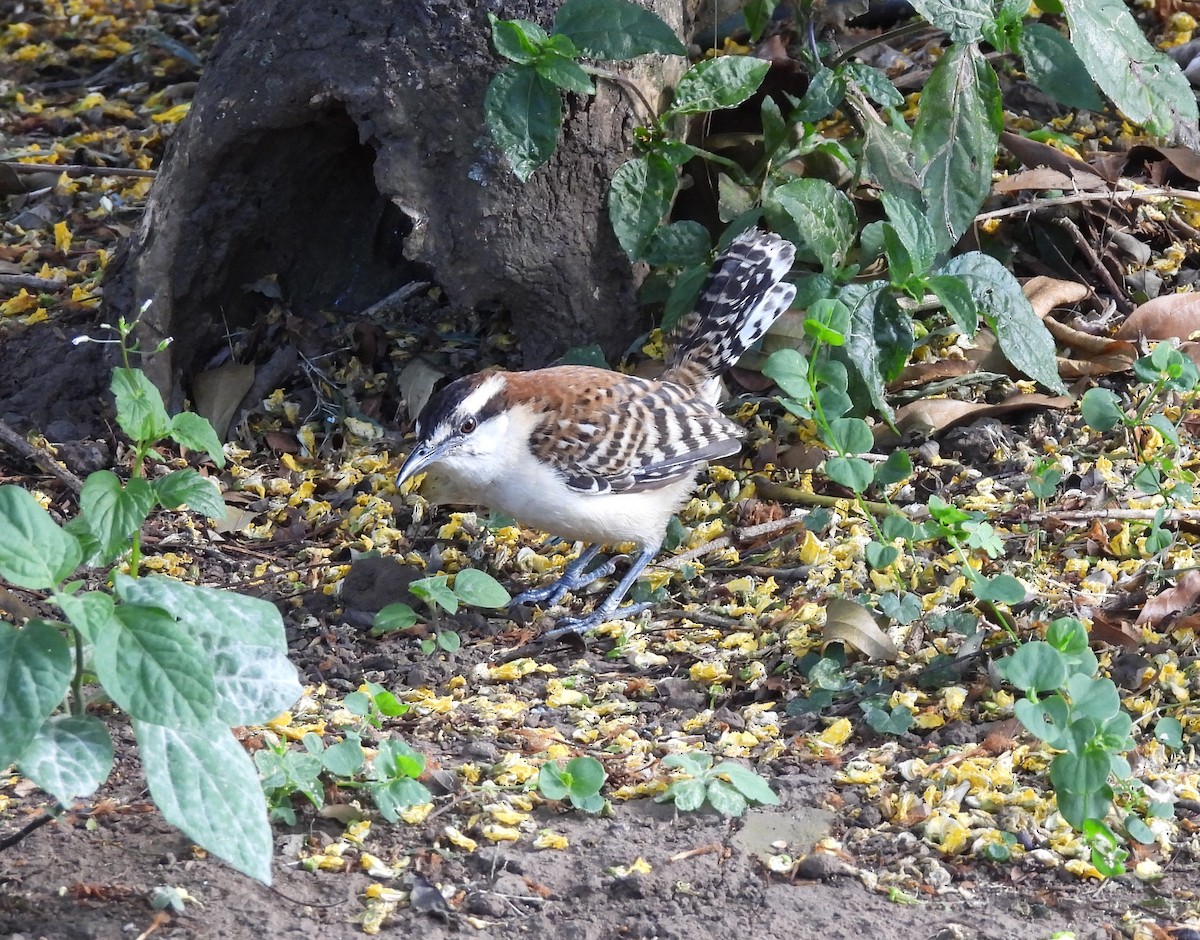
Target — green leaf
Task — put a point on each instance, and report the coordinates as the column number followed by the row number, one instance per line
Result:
column 639, row 196
column 34, row 552
column 449, row 641
column 480, row 589
column 897, row 468
column 344, row 759
column 964, row 20
column 887, row 153
column 392, row 796
column 393, row 617
column 435, row 591
column 1068, row 636
column 1097, row 699
column 683, row 244
column 35, row 671
column 396, row 759
column 1036, row 667
column 1046, row 719
column 1052, row 64
column 687, row 795
column 956, row 298
column 873, row 341
column 724, row 798
column 615, row 29
column 850, row 436
column 813, row 213
column 1146, row 84
column 140, row 410
column 854, row 473
column 243, row 643
column 1022, row 336
column 1169, row 731
column 999, row 589
column 114, row 512
column 69, row 757
column 587, row 775
column 749, row 783
column 913, row 230
column 955, row 138
column 789, row 370
column 825, row 92
column 682, row 297
column 518, row 40
column 758, row 15
column 194, row 432
column 723, row 82
column 205, row 784
column 523, row 112
column 1100, row 409
column 153, row 669
column 551, row 783
column 88, row 612
column 186, row 486
column 1080, row 773
column 873, row 82
column 880, row 556
column 565, row 73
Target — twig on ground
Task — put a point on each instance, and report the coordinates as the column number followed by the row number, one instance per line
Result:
column 1118, row 295
column 40, row 457
column 32, row 282
column 74, row 170
column 780, row 492
column 1036, row 205
column 1134, row 515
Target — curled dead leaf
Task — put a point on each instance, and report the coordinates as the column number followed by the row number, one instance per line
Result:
column 1173, row 600
column 851, row 623
column 1172, row 316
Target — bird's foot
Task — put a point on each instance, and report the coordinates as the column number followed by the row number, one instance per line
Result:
column 551, row 594
column 576, row 626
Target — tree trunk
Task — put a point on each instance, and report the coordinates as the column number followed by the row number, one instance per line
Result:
column 340, row 147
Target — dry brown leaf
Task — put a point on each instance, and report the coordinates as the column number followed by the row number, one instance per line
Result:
column 1046, row 293
column 1113, row 631
column 1172, row 316
column 416, row 382
column 1172, row 600
column 1033, row 153
column 852, row 624
column 1041, row 178
column 219, row 391
column 934, row 415
column 922, row 373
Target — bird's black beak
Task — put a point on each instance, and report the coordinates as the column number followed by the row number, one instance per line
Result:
column 421, row 456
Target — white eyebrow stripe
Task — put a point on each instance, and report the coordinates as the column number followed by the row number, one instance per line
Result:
column 474, row 402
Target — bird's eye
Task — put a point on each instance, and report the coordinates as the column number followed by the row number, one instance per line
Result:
column 467, row 426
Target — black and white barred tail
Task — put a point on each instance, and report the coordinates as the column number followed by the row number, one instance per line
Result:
column 742, row 296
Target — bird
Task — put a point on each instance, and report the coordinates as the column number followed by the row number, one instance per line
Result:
column 597, row 456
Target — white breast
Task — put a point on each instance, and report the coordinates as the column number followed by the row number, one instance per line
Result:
column 535, row 496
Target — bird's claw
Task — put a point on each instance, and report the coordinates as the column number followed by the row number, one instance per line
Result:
column 551, row 594
column 577, row 626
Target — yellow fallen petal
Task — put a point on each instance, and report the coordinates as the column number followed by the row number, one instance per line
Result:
column 501, row 833
column 375, row 867
column 459, row 838
column 837, row 734
column 416, row 814
column 62, row 236
column 550, row 840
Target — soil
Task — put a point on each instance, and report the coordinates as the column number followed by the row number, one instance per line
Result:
column 94, row 872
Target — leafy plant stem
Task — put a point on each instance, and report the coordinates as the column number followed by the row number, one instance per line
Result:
column 900, row 32
column 628, row 84
column 77, row 706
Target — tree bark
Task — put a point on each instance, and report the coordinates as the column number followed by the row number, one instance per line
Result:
column 341, row 148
